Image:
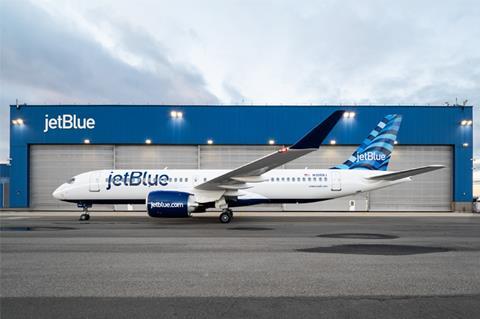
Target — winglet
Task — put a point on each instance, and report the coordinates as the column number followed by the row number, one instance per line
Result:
column 317, row 135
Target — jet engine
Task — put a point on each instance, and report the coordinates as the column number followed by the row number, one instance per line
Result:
column 170, row 204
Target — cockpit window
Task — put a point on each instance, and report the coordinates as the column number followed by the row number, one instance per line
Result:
column 71, row 180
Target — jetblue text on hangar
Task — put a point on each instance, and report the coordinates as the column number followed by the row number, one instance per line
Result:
column 136, row 178
column 68, row 122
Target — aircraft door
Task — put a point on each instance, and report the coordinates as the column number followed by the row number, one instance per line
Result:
column 336, row 180
column 95, row 181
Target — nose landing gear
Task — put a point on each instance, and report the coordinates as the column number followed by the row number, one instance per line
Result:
column 85, row 215
column 226, row 216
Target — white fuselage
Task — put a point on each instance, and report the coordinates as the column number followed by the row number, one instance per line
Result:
column 282, row 185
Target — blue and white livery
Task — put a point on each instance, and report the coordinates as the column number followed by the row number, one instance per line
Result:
column 179, row 193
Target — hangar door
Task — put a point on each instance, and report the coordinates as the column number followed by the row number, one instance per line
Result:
column 53, row 165
column 427, row 192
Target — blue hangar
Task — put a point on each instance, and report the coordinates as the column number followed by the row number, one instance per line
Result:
column 50, row 143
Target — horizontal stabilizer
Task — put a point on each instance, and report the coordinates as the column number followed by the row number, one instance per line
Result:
column 393, row 176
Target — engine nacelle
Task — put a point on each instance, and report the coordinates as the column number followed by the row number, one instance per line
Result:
column 170, row 204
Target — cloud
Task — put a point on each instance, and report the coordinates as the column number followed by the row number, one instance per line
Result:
column 43, row 61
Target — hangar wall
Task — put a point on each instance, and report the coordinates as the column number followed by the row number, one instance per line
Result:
column 52, row 165
column 44, row 154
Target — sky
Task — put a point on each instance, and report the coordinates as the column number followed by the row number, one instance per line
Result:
column 239, row 52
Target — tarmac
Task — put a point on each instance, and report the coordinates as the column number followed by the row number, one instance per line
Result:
column 267, row 265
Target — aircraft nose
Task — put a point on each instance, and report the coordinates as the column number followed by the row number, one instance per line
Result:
column 59, row 193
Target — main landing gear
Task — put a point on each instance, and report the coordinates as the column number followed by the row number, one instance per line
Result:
column 226, row 216
column 85, row 215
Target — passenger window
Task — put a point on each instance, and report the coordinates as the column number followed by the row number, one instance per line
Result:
column 288, row 179
column 303, row 178
column 180, row 179
column 278, row 179
column 186, row 179
column 175, row 179
column 272, row 179
column 314, row 179
column 204, row 179
column 298, row 179
column 283, row 179
column 309, row 179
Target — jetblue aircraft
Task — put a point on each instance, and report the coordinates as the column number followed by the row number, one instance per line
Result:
column 178, row 193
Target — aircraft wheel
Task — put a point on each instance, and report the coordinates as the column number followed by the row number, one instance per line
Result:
column 84, row 217
column 226, row 217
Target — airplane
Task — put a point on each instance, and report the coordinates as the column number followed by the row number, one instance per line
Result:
column 181, row 192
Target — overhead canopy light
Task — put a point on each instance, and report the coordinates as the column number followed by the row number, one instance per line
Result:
column 210, row 141
column 271, row 142
column 148, row 141
column 86, row 141
column 466, row 122
column 333, row 142
column 349, row 115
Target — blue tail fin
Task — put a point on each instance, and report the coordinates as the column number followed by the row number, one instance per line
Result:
column 375, row 151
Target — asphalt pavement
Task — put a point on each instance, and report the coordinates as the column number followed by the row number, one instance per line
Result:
column 260, row 265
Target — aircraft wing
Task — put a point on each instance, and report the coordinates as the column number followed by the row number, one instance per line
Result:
column 251, row 172
column 393, row 176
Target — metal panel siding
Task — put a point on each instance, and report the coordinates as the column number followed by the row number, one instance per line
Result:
column 427, row 192
column 235, row 125
column 155, row 156
column 52, row 165
column 231, row 156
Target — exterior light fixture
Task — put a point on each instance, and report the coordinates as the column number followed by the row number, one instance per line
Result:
column 349, row 115
column 148, row 141
column 86, row 141
column 176, row 114
column 18, row 121
column 271, row 142
column 210, row 141
column 465, row 144
column 466, row 122
column 333, row 142
column 396, row 142
column 469, row 122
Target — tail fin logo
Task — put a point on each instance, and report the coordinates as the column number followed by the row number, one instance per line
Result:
column 371, row 156
column 375, row 151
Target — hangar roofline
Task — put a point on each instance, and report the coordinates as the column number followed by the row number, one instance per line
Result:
column 246, row 105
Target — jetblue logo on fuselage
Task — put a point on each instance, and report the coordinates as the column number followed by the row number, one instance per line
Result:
column 136, row 178
column 371, row 156
column 68, row 122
